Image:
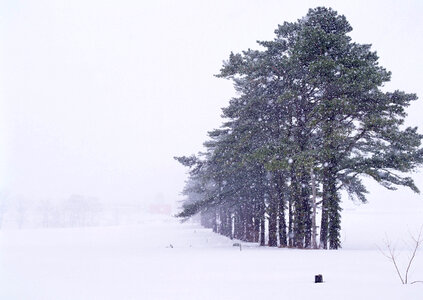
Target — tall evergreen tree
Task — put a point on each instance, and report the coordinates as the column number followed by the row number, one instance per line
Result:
column 310, row 102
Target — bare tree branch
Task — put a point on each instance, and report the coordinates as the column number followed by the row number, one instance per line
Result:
column 392, row 256
column 417, row 241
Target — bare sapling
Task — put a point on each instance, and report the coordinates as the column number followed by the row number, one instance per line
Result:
column 392, row 255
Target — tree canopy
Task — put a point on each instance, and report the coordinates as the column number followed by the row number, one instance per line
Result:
column 310, row 118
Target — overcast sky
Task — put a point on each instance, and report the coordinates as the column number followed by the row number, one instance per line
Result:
column 96, row 97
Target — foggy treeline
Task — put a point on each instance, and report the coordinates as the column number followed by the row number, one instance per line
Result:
column 75, row 211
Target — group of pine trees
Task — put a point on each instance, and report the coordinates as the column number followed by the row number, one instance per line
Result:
column 310, row 118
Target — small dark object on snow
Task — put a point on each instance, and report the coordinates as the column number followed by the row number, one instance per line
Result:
column 318, row 278
column 171, row 246
column 236, row 244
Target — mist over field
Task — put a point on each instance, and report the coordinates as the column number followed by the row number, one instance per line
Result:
column 97, row 98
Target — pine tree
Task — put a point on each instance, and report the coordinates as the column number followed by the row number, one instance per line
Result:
column 310, row 103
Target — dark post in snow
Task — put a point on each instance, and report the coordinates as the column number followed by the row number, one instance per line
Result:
column 318, row 278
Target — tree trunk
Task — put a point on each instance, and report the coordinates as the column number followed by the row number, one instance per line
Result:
column 273, row 215
column 313, row 216
column 262, row 229
column 282, row 221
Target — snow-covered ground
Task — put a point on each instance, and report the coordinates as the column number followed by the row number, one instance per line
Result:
column 138, row 262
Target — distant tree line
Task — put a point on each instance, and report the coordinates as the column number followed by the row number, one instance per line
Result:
column 310, row 118
column 75, row 211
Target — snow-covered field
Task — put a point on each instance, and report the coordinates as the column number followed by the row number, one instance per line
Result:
column 138, row 262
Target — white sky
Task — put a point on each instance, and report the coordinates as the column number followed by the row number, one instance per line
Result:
column 96, row 97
